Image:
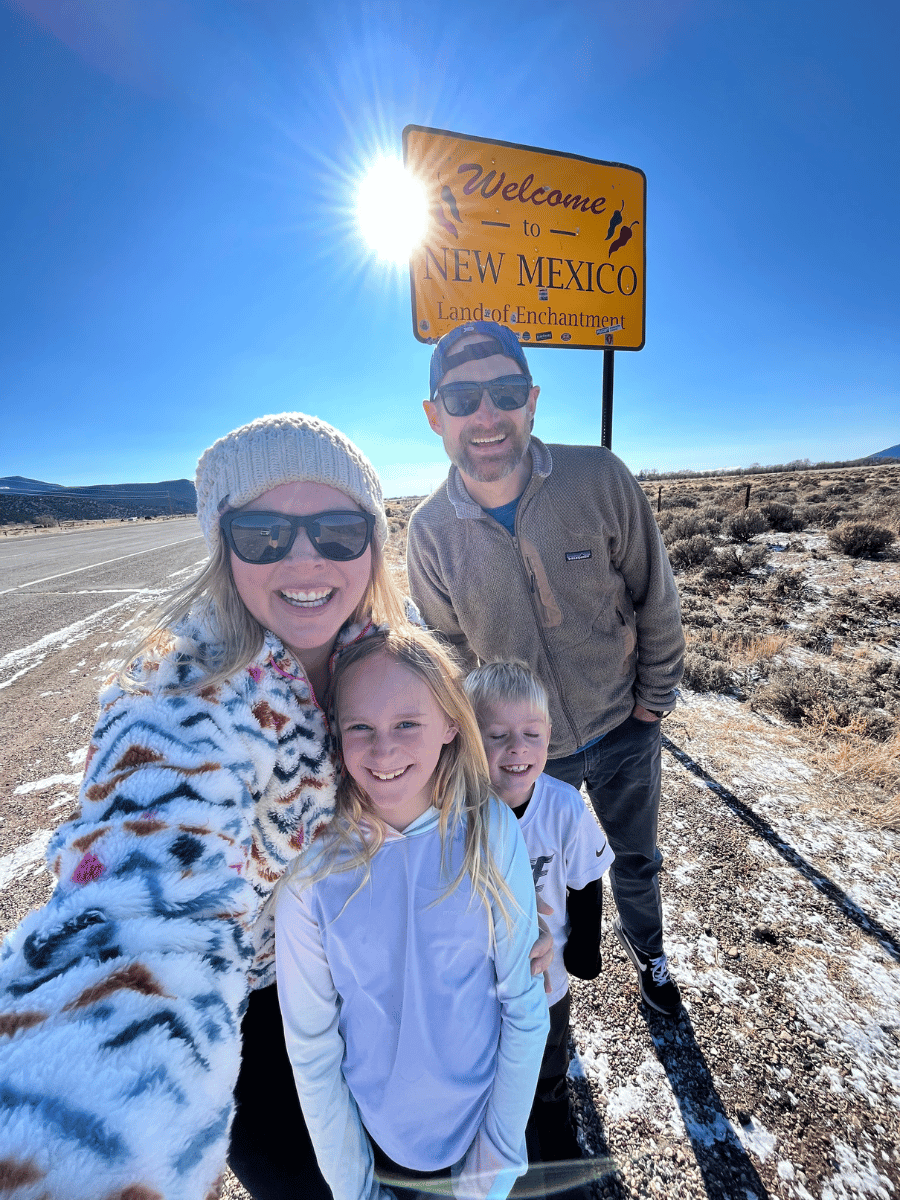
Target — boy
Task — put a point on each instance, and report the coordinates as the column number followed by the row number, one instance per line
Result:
column 569, row 856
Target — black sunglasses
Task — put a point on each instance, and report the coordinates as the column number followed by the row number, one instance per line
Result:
column 462, row 399
column 267, row 537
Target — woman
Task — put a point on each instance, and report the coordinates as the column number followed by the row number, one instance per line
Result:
column 121, row 1001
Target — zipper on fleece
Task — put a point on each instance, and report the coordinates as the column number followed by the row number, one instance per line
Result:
column 528, row 572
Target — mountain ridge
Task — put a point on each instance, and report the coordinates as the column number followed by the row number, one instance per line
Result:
column 24, row 500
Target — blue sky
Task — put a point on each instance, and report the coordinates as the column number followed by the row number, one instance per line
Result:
column 180, row 248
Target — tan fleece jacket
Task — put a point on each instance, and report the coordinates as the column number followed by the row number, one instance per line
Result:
column 583, row 593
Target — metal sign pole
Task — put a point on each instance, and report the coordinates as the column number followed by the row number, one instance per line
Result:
column 607, row 411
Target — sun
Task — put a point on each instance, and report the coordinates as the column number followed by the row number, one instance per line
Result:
column 391, row 209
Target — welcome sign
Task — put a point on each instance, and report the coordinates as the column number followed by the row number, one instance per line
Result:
column 552, row 245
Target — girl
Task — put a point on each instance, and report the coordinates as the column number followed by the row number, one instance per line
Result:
column 413, row 1022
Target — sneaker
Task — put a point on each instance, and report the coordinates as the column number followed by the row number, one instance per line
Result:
column 658, row 988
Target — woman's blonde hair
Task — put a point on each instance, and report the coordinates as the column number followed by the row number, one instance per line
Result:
column 239, row 635
column 460, row 786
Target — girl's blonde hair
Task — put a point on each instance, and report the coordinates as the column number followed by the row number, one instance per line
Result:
column 240, row 635
column 460, row 786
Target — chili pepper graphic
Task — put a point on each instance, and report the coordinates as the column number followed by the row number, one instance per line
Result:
column 450, row 200
column 438, row 213
column 623, row 238
column 615, row 221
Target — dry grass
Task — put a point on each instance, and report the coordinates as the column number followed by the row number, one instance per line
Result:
column 791, row 623
column 749, row 650
column 853, row 759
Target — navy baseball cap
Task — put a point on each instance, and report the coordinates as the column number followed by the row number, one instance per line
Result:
column 502, row 341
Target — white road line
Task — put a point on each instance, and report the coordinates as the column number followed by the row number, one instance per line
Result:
column 106, row 563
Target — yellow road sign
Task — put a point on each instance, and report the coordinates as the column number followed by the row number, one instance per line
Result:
column 552, row 245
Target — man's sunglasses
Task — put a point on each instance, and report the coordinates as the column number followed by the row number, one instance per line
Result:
column 267, row 537
column 462, row 399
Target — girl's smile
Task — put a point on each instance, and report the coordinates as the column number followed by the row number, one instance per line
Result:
column 392, row 733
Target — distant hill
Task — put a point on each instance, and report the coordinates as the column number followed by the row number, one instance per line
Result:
column 891, row 452
column 30, row 500
column 20, row 485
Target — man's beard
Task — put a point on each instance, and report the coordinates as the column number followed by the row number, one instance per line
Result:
column 490, row 471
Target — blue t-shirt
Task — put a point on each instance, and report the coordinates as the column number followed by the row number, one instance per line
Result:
column 506, row 514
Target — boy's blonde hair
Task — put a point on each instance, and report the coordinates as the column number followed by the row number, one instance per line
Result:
column 504, row 682
column 461, row 787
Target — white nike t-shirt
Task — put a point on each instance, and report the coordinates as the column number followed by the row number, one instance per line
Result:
column 567, row 849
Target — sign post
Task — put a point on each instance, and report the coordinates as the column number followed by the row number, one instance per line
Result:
column 549, row 244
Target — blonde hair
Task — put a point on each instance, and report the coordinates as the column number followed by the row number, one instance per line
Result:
column 213, row 593
column 460, row 787
column 504, row 682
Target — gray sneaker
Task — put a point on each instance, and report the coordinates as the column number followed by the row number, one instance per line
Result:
column 658, row 988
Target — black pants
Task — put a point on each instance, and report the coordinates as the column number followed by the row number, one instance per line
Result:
column 549, row 1135
column 271, row 1152
column 386, row 1167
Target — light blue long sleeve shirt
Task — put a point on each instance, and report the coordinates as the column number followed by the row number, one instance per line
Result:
column 400, row 1017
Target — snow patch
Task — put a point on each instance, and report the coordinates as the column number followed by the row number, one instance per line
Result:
column 23, row 859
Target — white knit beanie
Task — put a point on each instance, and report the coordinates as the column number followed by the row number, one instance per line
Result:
column 288, row 448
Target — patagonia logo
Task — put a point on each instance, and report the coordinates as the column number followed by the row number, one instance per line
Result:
column 574, row 555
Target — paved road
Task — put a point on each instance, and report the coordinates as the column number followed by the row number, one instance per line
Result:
column 68, row 613
column 48, row 581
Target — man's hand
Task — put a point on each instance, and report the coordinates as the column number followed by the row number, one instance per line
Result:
column 644, row 714
column 542, row 951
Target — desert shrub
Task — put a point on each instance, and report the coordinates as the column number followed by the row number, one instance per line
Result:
column 887, row 602
column 814, row 696
column 698, row 613
column 728, row 562
column 677, row 499
column 43, row 521
column 824, row 516
column 714, row 514
column 785, row 585
column 682, row 525
column 705, row 674
column 689, row 524
column 744, row 526
column 781, row 517
column 861, row 539
column 884, row 677
column 818, row 635
column 689, row 552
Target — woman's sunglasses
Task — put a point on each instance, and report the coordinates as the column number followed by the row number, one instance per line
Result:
column 462, row 399
column 267, row 537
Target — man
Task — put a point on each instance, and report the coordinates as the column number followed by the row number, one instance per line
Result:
column 551, row 554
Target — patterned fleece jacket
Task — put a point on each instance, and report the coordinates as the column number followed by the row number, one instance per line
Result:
column 121, row 999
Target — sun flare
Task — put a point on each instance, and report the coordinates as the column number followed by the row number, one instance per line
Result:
column 391, row 210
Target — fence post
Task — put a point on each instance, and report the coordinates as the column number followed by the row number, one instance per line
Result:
column 659, row 500
column 747, row 497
